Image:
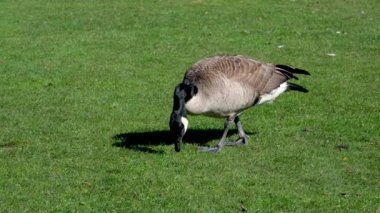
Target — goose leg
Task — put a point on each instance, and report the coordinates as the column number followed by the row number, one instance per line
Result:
column 220, row 145
column 243, row 139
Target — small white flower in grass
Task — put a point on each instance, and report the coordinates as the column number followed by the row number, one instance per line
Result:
column 341, row 32
column 281, row 46
column 331, row 54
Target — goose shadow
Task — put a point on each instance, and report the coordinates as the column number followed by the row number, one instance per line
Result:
column 143, row 141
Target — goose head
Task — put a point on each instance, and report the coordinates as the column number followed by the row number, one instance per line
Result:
column 178, row 119
column 178, row 127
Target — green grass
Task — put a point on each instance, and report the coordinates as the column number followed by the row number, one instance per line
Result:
column 74, row 74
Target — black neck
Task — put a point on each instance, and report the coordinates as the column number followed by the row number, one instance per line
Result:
column 179, row 101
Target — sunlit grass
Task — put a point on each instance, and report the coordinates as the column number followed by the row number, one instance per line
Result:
column 73, row 75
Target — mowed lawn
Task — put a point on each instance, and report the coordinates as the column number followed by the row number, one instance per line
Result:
column 86, row 92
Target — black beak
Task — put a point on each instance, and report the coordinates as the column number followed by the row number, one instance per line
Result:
column 176, row 130
column 177, row 133
column 178, row 144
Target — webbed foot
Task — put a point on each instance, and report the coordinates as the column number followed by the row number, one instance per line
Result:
column 209, row 149
column 242, row 141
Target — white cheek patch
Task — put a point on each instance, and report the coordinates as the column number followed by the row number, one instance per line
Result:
column 185, row 122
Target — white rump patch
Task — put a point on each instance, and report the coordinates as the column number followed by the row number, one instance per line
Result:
column 273, row 94
column 185, row 122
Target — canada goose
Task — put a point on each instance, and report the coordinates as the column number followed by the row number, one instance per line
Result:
column 224, row 86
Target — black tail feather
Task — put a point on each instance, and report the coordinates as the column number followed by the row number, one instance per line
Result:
column 287, row 73
column 292, row 70
column 300, row 71
column 296, row 87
